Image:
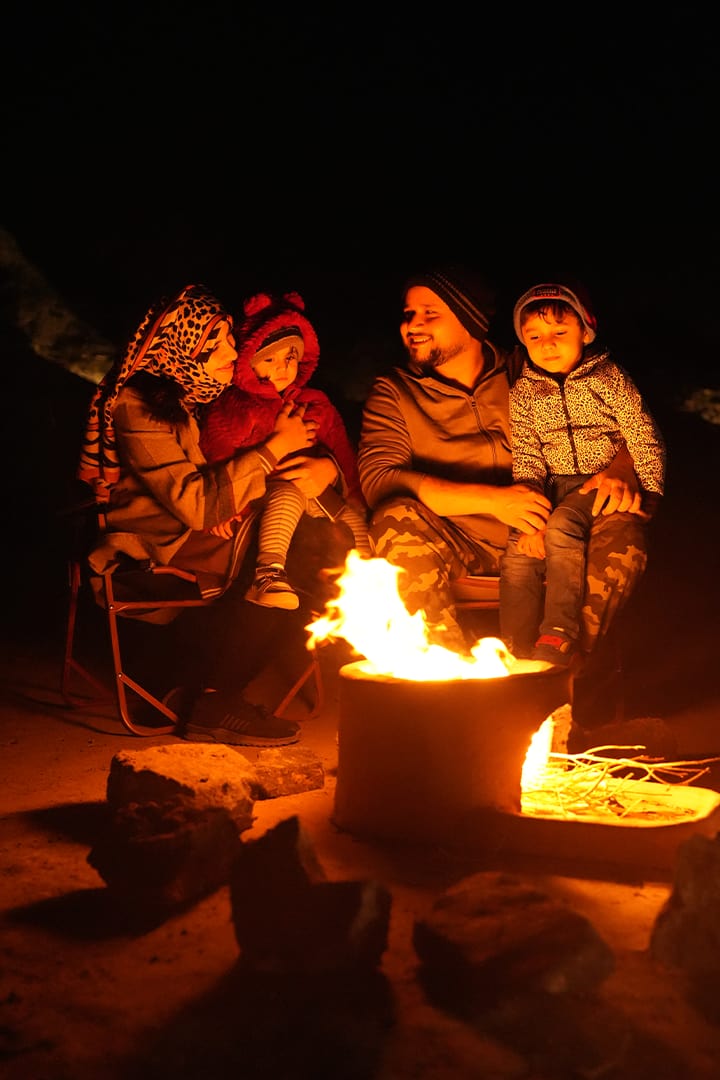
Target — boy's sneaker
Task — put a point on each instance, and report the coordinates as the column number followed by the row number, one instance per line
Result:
column 555, row 649
column 271, row 588
column 221, row 718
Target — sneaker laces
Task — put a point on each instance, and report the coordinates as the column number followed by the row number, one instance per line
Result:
column 265, row 576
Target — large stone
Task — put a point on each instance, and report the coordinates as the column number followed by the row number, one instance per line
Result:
column 289, row 918
column 177, row 812
column 202, row 774
column 686, row 934
column 493, row 936
column 287, row 770
column 160, row 856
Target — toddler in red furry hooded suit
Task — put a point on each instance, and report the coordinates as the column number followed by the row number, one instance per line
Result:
column 278, row 352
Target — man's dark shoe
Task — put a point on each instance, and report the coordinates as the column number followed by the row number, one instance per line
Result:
column 219, row 718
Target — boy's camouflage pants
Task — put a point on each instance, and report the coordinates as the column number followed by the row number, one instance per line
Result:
column 432, row 552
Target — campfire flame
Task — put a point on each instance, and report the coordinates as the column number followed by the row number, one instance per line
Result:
column 370, row 615
column 535, row 766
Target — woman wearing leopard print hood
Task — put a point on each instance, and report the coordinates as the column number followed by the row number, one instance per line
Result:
column 142, row 457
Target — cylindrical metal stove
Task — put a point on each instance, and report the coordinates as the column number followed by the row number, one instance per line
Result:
column 415, row 757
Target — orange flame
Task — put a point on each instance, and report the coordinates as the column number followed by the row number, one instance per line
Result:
column 370, row 615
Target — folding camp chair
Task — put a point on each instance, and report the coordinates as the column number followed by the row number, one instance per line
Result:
column 127, row 593
column 477, row 592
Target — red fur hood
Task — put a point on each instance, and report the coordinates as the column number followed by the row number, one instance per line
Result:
column 263, row 315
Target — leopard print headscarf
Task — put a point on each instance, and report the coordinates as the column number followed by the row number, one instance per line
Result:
column 171, row 340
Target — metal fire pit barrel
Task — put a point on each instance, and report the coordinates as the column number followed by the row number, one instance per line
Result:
column 415, row 757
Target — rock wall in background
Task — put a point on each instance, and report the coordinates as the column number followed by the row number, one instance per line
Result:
column 30, row 304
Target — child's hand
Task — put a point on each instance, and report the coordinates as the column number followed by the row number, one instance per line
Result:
column 532, row 544
column 292, row 431
column 224, row 529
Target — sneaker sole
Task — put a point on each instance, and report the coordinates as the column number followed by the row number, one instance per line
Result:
column 232, row 738
column 286, row 601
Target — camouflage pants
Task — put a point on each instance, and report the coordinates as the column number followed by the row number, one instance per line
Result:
column 432, row 551
column 616, row 560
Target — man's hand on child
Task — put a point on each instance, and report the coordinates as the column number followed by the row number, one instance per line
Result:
column 618, row 490
column 614, row 495
column 532, row 544
column 522, row 507
column 310, row 474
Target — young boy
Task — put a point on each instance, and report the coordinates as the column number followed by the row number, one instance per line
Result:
column 570, row 410
column 278, row 352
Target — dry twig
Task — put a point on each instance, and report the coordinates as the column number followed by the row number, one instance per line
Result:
column 593, row 785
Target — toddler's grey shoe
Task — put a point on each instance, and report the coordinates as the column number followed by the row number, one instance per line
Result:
column 271, row 588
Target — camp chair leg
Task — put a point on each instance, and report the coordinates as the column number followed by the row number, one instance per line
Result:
column 71, row 666
column 313, row 670
column 123, row 683
column 169, row 588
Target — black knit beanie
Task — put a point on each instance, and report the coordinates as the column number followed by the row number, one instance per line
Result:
column 466, row 293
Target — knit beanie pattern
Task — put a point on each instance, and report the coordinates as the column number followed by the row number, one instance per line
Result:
column 466, row 293
column 553, row 293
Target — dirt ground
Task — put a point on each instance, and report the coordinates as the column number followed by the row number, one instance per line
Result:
column 85, row 995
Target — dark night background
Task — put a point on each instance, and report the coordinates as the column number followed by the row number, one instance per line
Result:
column 331, row 150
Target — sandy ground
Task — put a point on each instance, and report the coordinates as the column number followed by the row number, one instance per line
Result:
column 87, row 994
column 84, row 995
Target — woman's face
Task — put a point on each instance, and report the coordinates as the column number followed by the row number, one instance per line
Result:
column 222, row 355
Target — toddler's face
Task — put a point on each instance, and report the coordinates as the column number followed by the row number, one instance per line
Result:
column 555, row 346
column 278, row 363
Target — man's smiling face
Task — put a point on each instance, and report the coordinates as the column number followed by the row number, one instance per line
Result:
column 431, row 332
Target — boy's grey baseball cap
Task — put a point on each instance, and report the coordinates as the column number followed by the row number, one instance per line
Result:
column 552, row 292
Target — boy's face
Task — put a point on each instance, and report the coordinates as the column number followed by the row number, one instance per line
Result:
column 278, row 363
column 554, row 345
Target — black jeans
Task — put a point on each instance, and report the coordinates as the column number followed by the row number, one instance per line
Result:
column 227, row 644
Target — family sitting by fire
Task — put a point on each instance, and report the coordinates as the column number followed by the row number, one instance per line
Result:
column 212, row 453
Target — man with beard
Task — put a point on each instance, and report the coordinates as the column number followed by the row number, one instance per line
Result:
column 435, row 466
